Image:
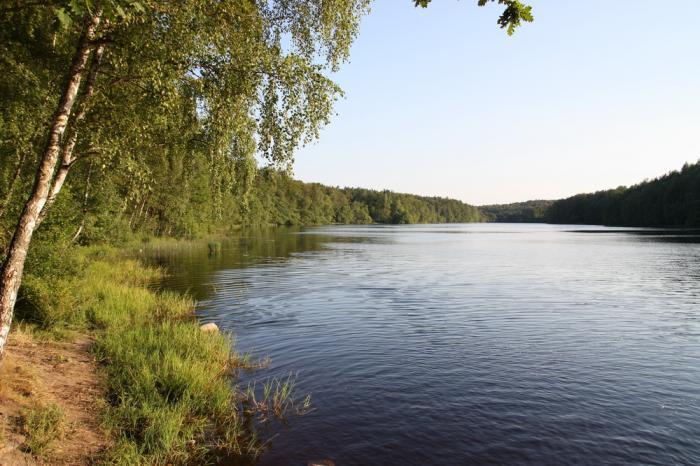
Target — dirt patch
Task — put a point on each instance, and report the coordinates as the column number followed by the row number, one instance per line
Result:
column 64, row 373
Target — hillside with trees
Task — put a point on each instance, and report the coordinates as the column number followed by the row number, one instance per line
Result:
column 517, row 212
column 672, row 200
column 277, row 199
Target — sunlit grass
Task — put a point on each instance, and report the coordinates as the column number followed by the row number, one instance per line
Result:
column 170, row 394
column 171, row 398
column 42, row 425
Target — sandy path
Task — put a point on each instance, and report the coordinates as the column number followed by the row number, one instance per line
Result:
column 64, row 373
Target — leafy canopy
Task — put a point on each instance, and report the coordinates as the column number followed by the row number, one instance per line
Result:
column 191, row 96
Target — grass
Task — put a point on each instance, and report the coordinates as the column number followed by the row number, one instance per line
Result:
column 42, row 425
column 170, row 394
column 214, row 248
column 168, row 382
column 275, row 400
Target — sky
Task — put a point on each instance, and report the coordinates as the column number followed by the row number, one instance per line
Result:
column 439, row 101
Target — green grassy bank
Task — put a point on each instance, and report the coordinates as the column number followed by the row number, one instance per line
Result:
column 169, row 396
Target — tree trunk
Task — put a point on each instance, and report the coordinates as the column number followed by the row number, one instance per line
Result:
column 13, row 267
column 86, row 196
column 67, row 158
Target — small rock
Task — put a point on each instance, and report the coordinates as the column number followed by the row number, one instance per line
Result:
column 211, row 327
column 320, row 463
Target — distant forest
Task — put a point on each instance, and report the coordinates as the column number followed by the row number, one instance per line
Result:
column 277, row 199
column 672, row 200
column 518, row 212
column 181, row 203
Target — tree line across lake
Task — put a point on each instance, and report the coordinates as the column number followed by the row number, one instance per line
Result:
column 179, row 201
column 279, row 200
column 672, row 200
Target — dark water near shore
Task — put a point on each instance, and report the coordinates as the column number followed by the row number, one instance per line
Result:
column 467, row 344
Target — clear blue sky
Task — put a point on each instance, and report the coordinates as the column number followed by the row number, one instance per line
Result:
column 594, row 94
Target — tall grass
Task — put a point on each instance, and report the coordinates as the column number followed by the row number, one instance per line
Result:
column 169, row 390
column 171, row 399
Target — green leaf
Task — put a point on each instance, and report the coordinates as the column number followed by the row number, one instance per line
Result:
column 138, row 7
column 63, row 17
column 76, row 7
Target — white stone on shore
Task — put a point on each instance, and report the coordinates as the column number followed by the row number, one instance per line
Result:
column 211, row 327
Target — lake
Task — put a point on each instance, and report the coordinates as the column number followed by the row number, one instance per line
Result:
column 466, row 344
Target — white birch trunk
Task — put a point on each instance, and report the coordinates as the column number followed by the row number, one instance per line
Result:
column 13, row 267
column 67, row 158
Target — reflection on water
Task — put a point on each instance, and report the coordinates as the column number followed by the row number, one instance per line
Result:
column 467, row 344
column 191, row 265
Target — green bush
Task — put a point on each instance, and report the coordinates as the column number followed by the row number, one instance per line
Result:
column 49, row 302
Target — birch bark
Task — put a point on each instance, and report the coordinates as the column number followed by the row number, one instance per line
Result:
column 13, row 266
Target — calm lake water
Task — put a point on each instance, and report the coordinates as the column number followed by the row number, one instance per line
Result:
column 467, row 344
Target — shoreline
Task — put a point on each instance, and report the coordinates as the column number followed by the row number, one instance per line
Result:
column 157, row 388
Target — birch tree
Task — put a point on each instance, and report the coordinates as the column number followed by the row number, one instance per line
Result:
column 123, row 86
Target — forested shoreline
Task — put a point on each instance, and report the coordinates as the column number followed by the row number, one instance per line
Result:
column 671, row 200
column 277, row 199
column 517, row 212
column 179, row 203
column 181, row 206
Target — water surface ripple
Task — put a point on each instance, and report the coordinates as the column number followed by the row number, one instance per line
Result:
column 468, row 344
